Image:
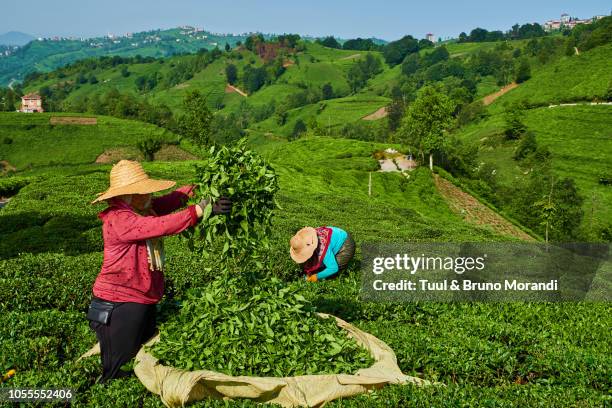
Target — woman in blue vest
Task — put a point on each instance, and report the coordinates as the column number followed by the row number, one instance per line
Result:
column 322, row 252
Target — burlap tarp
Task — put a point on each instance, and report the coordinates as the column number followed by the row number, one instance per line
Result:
column 178, row 387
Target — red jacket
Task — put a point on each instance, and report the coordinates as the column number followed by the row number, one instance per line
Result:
column 125, row 274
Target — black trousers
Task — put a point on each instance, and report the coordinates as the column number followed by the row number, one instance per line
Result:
column 130, row 326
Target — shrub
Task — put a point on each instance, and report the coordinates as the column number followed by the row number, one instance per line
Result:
column 7, row 141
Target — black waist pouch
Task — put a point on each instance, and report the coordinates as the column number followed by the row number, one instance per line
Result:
column 100, row 311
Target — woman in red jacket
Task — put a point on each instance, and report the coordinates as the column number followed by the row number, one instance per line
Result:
column 131, row 280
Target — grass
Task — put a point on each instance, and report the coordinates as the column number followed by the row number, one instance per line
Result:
column 330, row 115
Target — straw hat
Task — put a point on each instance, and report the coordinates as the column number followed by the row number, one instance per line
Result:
column 303, row 244
column 128, row 177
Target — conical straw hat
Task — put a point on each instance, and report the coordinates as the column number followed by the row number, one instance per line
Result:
column 303, row 244
column 128, row 177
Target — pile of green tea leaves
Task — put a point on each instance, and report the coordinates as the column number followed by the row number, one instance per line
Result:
column 243, row 176
column 266, row 330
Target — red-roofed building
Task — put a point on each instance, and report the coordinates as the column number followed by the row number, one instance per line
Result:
column 31, row 103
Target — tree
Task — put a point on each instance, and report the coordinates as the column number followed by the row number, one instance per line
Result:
column 231, row 72
column 411, row 64
column 254, row 78
column 281, row 114
column 427, row 120
column 395, row 112
column 395, row 52
column 513, row 117
column 327, row 91
column 547, row 209
column 526, row 146
column 251, row 42
column 195, row 124
column 523, row 71
column 149, row 147
column 125, row 72
column 298, row 129
column 227, row 47
column 478, row 35
column 330, row 42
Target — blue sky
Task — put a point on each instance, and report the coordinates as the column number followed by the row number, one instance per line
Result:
column 344, row 18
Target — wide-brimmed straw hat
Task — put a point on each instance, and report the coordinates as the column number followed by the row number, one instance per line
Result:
column 303, row 244
column 128, row 177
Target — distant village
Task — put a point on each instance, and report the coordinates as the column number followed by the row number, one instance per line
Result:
column 567, row 22
column 190, row 33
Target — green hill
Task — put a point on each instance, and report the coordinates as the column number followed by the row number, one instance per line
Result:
column 580, row 140
column 49, row 54
column 31, row 140
column 584, row 77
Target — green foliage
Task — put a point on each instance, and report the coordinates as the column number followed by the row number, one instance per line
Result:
column 329, row 42
column 148, row 147
column 527, row 145
column 254, row 78
column 298, row 129
column 523, row 71
column 395, row 51
column 327, row 91
column 471, row 113
column 427, row 120
column 243, row 176
column 11, row 185
column 514, row 118
column 360, row 44
column 195, row 124
column 362, row 70
column 264, row 330
column 231, row 73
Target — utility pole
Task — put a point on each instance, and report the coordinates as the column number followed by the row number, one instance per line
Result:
column 370, row 185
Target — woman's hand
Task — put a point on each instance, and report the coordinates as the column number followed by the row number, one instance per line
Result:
column 222, row 206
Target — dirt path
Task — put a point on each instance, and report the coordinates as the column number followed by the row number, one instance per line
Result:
column 351, row 57
column 166, row 153
column 72, row 120
column 476, row 212
column 489, row 99
column 580, row 104
column 230, row 88
column 379, row 114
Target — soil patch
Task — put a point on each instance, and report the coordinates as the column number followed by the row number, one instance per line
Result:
column 351, row 57
column 476, row 212
column 182, row 86
column 288, row 63
column 72, row 120
column 489, row 99
column 167, row 153
column 378, row 114
column 230, row 88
